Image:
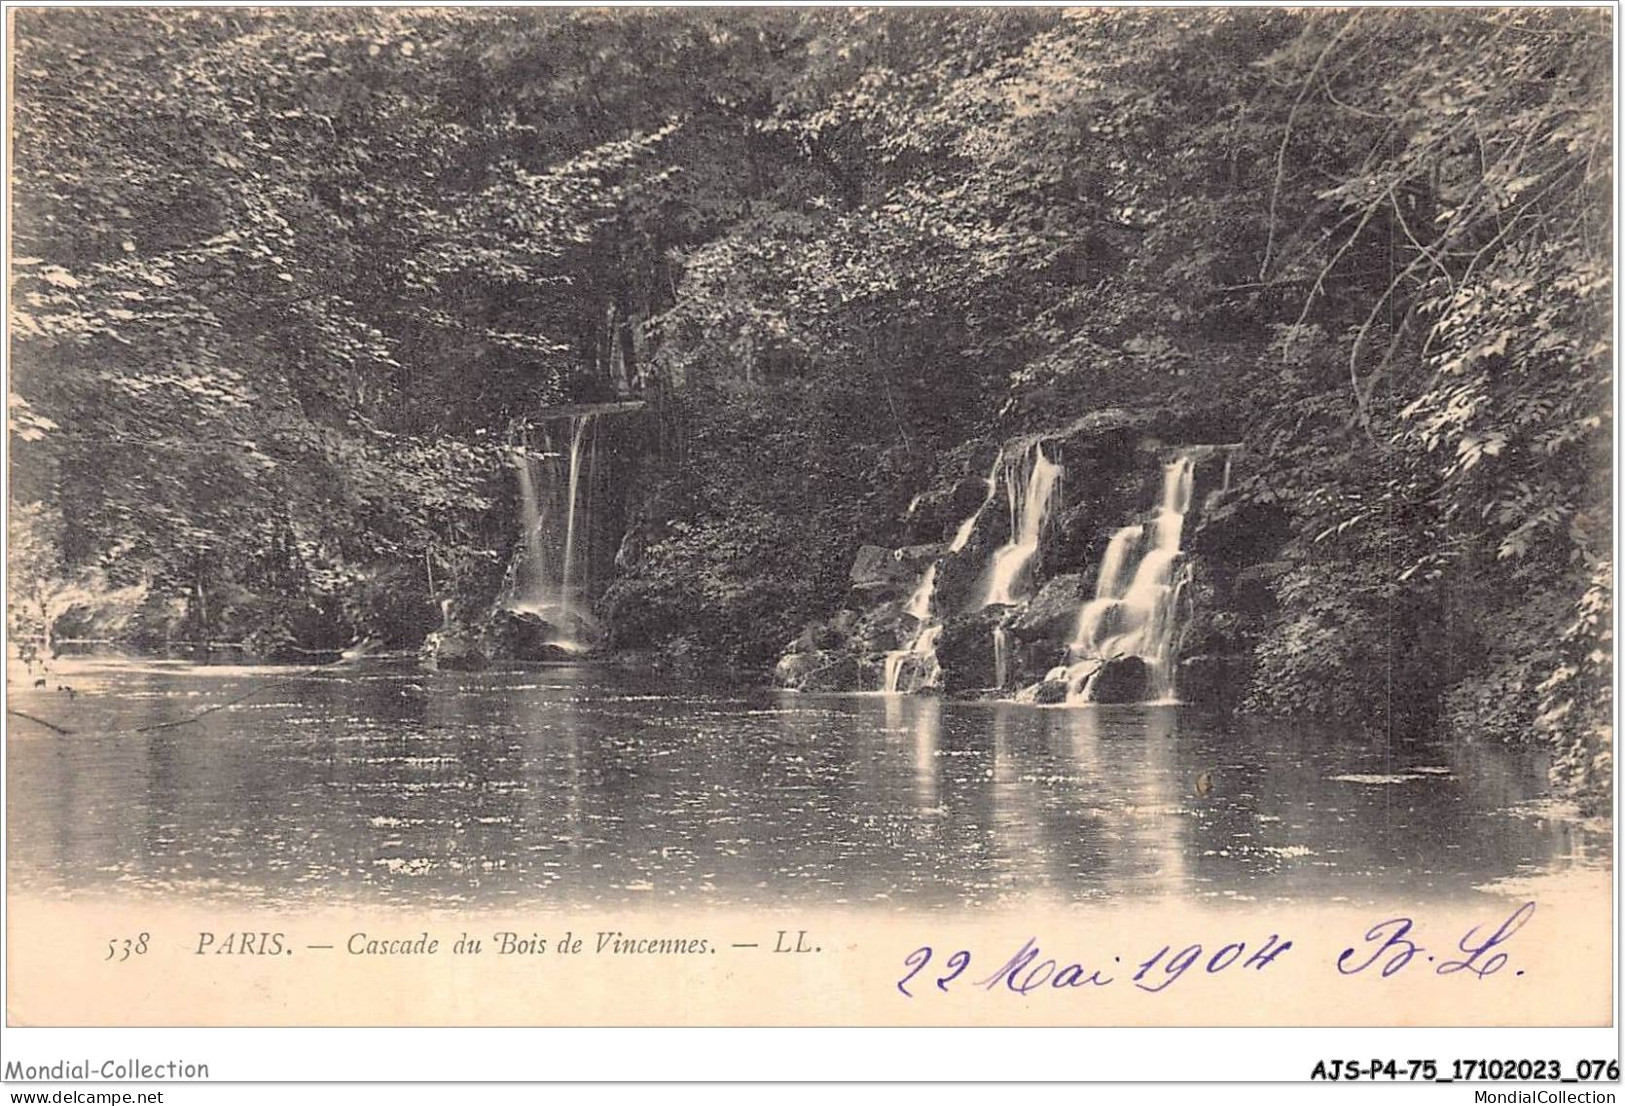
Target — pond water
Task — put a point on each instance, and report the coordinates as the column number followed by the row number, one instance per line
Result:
column 582, row 785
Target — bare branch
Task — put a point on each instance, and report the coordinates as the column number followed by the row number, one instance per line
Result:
column 1286, row 138
column 1320, row 280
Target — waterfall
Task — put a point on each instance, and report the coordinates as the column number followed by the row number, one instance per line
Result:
column 915, row 665
column 919, row 604
column 1031, row 482
column 1133, row 612
column 968, row 527
column 554, row 577
column 915, row 668
column 568, row 573
column 1032, row 499
column 534, row 565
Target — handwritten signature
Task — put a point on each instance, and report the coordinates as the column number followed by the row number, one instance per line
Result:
column 1391, row 938
column 1388, row 946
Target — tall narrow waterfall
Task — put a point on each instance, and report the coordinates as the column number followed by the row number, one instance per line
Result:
column 1137, row 596
column 553, row 578
column 530, row 581
column 1031, row 482
column 1001, row 656
column 570, row 576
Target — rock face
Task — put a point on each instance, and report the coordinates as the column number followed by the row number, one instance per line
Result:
column 824, row 670
column 879, row 570
column 965, row 651
column 883, row 629
column 1121, row 680
column 959, row 577
column 1052, row 615
column 874, row 567
column 826, row 635
column 939, row 511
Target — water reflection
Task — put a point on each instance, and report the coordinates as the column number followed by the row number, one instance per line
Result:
column 579, row 785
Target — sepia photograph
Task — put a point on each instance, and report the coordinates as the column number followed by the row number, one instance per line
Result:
column 844, row 516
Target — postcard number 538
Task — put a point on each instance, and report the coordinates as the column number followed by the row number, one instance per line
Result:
column 122, row 948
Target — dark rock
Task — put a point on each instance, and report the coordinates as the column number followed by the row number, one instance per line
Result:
column 1050, row 691
column 967, row 496
column 1033, row 660
column 833, row 633
column 1208, row 475
column 1217, row 422
column 1208, row 631
column 1101, row 500
column 528, row 636
column 1204, row 623
column 1052, row 615
column 1121, row 680
column 965, row 651
column 523, row 636
column 959, row 577
column 917, row 558
column 939, row 510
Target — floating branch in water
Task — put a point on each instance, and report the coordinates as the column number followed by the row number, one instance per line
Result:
column 41, row 721
column 249, row 694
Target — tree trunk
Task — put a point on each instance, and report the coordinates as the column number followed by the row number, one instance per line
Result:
column 628, row 376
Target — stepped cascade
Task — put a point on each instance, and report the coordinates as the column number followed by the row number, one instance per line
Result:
column 1032, row 484
column 1135, row 606
column 915, row 667
column 1032, row 501
column 1023, row 611
column 552, row 578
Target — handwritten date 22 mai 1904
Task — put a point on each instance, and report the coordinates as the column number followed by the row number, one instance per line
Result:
column 1386, row 949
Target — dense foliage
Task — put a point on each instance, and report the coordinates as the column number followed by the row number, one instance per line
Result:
column 284, row 281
